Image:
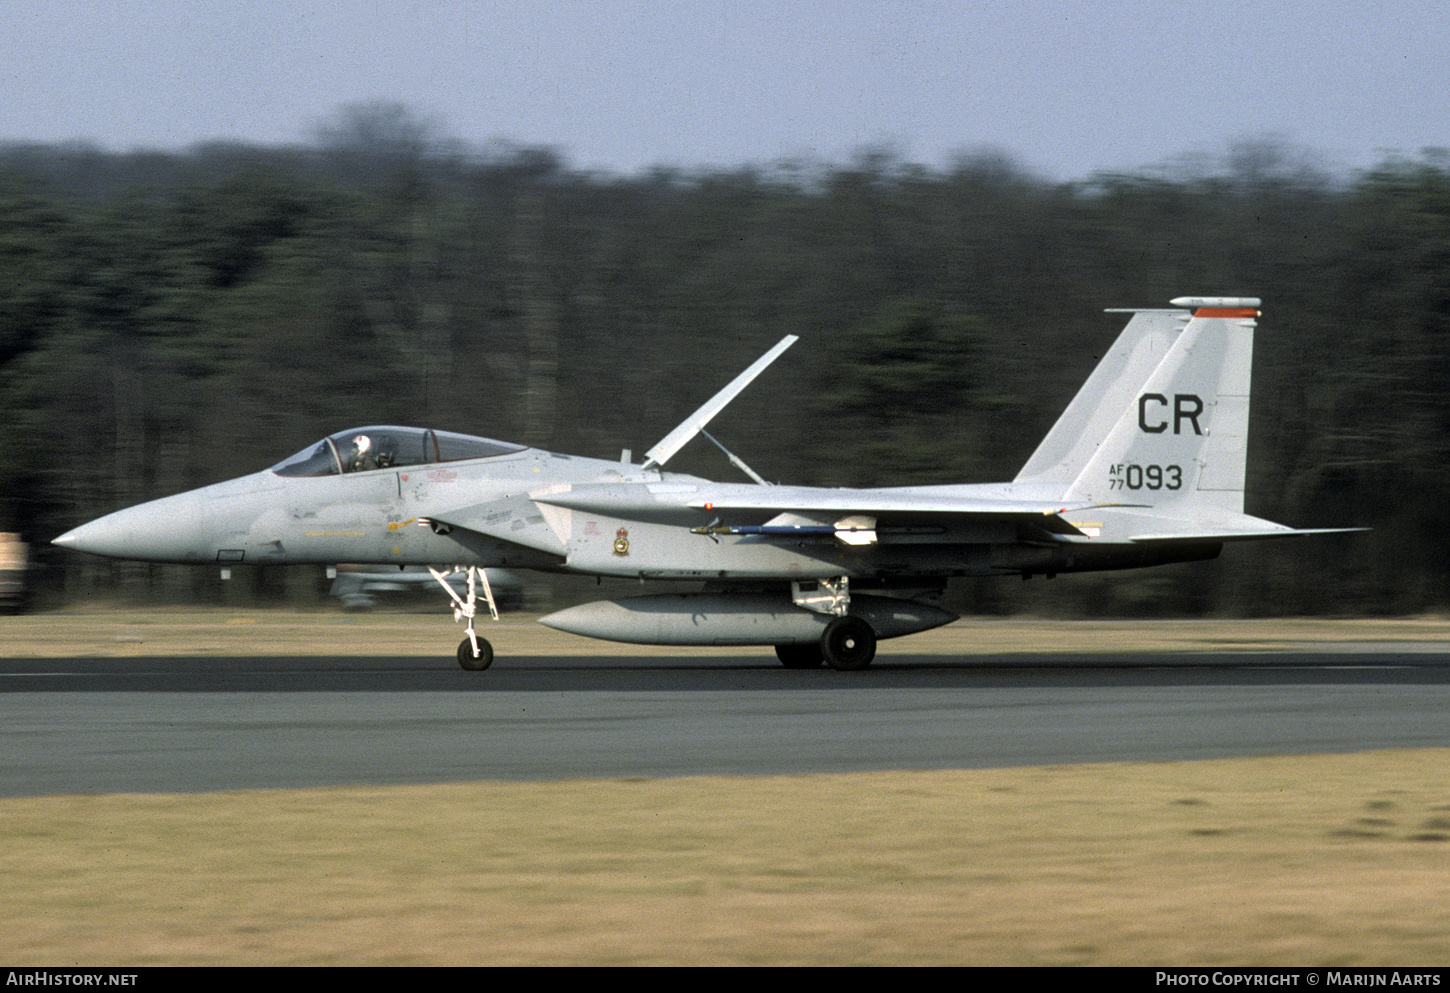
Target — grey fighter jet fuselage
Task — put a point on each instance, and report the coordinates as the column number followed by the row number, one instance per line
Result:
column 1145, row 467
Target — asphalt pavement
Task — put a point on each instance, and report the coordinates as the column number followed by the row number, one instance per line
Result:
column 193, row 724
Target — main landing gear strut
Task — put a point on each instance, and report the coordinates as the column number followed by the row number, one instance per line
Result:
column 474, row 653
column 848, row 643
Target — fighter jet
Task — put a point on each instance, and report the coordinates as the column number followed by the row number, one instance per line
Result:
column 1146, row 466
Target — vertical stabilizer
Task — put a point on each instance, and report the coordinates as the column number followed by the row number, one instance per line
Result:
column 1182, row 437
column 1114, row 383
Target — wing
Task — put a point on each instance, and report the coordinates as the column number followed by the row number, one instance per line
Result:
column 799, row 510
column 857, row 516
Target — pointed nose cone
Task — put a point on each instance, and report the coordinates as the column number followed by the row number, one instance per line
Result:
column 67, row 540
column 160, row 531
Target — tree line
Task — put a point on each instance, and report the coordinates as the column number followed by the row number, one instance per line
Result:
column 170, row 320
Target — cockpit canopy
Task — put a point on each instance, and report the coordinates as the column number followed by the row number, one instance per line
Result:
column 387, row 447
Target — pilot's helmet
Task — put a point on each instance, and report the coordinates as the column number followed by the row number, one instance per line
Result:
column 363, row 443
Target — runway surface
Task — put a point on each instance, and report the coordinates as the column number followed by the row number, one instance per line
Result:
column 188, row 724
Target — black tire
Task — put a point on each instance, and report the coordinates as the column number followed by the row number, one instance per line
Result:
column 807, row 656
column 466, row 659
column 848, row 644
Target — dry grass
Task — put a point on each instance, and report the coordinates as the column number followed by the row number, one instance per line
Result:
column 208, row 632
column 1326, row 860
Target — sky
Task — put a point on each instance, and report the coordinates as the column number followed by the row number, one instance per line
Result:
column 1066, row 89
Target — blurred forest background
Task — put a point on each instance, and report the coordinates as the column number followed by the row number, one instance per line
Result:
column 171, row 320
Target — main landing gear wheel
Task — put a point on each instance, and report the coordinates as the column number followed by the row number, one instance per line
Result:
column 848, row 644
column 466, row 657
column 807, row 656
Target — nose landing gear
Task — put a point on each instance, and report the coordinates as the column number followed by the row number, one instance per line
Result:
column 468, row 660
column 474, row 653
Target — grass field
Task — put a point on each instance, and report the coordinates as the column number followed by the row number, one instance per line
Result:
column 1310, row 860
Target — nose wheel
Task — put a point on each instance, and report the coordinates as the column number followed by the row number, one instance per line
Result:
column 472, row 662
column 474, row 653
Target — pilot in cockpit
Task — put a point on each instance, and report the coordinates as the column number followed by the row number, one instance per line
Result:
column 362, row 455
